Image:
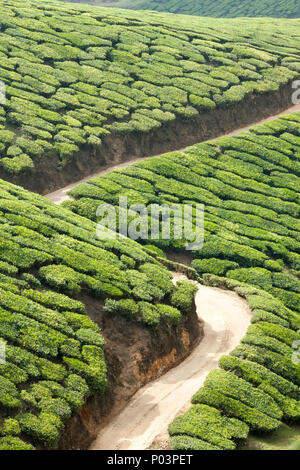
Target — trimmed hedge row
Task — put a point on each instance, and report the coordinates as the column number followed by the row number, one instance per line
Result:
column 54, row 351
column 75, row 74
column 257, row 383
column 255, row 419
column 251, row 226
column 251, row 237
column 220, row 8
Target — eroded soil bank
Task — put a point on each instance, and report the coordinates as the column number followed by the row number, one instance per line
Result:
column 148, row 414
column 135, row 355
column 48, row 174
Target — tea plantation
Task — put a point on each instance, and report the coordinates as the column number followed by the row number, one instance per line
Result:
column 54, row 352
column 250, row 187
column 218, row 8
column 73, row 74
column 257, row 385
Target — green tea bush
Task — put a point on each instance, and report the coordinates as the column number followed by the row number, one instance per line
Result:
column 228, row 384
column 183, row 442
column 14, row 443
column 255, row 419
column 183, row 298
column 170, row 313
column 54, row 351
column 125, row 70
column 266, row 342
column 276, row 362
column 251, row 231
column 213, row 265
column 149, row 314
column 126, row 307
column 192, row 426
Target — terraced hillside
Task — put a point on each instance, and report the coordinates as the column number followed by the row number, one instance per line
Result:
column 218, row 8
column 54, row 272
column 250, row 187
column 255, row 388
column 78, row 79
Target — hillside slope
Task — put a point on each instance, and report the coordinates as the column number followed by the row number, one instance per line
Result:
column 226, row 318
column 58, row 284
column 218, row 8
column 77, row 77
column 249, row 185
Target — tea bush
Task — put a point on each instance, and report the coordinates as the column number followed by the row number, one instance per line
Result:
column 69, row 86
column 54, row 351
column 183, row 298
column 220, row 8
column 251, row 227
column 252, row 238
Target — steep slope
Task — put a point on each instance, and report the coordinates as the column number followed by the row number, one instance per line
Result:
column 59, row 285
column 249, row 185
column 218, row 8
column 84, row 84
column 226, row 318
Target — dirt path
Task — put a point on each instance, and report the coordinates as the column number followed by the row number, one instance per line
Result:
column 154, row 406
column 61, row 194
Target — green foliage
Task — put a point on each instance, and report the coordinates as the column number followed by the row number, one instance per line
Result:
column 149, row 314
column 170, row 313
column 126, row 307
column 45, row 427
column 258, row 383
column 257, row 374
column 191, row 443
column 183, row 298
column 70, row 86
column 229, row 385
column 252, row 238
column 255, row 419
column 54, row 351
column 276, row 362
column 219, row 8
column 118, row 73
column 213, row 265
column 14, row 443
column 207, row 423
column 10, row 427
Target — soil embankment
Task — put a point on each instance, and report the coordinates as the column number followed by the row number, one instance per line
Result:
column 60, row 195
column 226, row 318
column 49, row 175
column 135, row 355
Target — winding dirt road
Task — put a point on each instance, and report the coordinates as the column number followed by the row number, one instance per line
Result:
column 154, row 406
column 61, row 194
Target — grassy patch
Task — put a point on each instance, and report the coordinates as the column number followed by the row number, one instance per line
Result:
column 284, row 438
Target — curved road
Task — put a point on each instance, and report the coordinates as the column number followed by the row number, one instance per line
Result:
column 154, row 406
column 226, row 318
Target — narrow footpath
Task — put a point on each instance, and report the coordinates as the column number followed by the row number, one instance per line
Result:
column 226, row 318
